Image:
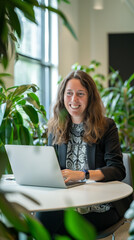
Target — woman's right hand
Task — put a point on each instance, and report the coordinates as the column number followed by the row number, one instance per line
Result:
column 71, row 175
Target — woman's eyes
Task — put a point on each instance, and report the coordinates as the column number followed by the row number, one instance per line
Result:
column 69, row 93
column 78, row 94
column 81, row 94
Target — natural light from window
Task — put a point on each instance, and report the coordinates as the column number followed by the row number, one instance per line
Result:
column 38, row 54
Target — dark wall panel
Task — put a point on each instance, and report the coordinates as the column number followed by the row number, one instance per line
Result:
column 121, row 53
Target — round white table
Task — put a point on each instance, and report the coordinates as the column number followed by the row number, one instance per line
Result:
column 90, row 193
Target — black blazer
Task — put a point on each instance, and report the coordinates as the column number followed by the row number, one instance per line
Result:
column 104, row 155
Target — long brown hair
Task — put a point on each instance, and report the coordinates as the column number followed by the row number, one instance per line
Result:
column 94, row 121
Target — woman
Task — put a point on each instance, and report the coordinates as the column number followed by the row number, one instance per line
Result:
column 87, row 145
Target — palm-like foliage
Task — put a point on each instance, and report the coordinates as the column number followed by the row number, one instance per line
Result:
column 119, row 102
column 10, row 21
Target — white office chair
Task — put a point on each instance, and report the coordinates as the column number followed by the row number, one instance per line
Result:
column 128, row 179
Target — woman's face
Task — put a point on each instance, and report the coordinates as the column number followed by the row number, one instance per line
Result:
column 76, row 100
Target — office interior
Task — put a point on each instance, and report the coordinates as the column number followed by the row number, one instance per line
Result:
column 92, row 27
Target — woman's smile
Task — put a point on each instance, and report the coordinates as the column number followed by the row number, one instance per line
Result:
column 76, row 100
column 74, row 107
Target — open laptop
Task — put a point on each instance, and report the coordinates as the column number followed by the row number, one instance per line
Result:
column 36, row 166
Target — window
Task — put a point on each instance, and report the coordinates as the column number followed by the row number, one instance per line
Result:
column 38, row 54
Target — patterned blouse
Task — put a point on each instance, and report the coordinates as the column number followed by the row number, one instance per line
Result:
column 77, row 160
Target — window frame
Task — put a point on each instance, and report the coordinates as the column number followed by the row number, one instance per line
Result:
column 45, row 78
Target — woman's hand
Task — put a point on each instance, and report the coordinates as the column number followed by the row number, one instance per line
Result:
column 70, row 175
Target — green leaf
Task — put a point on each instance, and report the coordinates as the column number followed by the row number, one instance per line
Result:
column 34, row 97
column 34, row 100
column 127, row 82
column 66, row 1
column 43, row 112
column 2, row 96
column 4, row 59
column 8, row 107
column 14, row 21
column 26, row 8
column 23, row 88
column 57, row 237
column 24, row 135
column 21, row 220
column 5, row 75
column 78, row 227
column 32, row 113
column 18, row 118
column 16, row 136
column 32, row 2
column 4, row 161
column 96, row 63
column 74, row 67
column 114, row 102
column 20, row 101
column 101, row 76
column 6, row 131
column 36, row 229
column 65, row 21
column 12, row 215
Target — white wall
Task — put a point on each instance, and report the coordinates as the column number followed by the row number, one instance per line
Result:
column 92, row 27
column 68, row 46
column 115, row 18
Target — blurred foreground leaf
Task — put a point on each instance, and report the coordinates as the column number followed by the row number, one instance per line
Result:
column 78, row 227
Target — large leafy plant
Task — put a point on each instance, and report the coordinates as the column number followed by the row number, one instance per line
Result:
column 20, row 109
column 118, row 99
column 11, row 23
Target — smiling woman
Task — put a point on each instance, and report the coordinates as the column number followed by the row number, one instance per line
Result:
column 76, row 100
column 78, row 95
column 87, row 146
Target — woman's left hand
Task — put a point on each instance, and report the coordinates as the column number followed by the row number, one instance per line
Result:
column 71, row 175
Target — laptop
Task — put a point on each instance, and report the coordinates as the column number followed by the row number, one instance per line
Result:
column 36, row 166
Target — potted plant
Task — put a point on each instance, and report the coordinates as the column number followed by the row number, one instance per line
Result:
column 20, row 108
